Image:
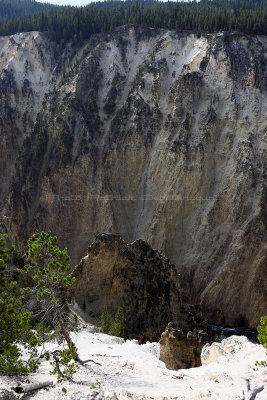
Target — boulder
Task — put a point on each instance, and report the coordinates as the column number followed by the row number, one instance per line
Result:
column 224, row 351
column 181, row 347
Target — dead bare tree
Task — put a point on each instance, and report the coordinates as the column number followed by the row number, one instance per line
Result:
column 251, row 393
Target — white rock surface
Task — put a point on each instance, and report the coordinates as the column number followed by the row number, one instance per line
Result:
column 132, row 371
column 233, row 347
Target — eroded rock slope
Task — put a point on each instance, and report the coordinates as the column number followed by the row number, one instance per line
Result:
column 149, row 134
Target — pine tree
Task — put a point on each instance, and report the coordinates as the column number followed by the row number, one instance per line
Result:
column 51, row 271
column 119, row 327
column 262, row 331
column 262, row 337
column 15, row 321
column 105, row 321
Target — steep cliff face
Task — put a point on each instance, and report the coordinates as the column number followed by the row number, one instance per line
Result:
column 152, row 135
column 25, row 76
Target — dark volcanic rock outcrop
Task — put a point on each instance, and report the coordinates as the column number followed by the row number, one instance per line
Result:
column 132, row 276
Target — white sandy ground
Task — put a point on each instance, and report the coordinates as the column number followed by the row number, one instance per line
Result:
column 128, row 368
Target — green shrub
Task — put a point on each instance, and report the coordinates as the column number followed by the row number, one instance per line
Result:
column 105, row 321
column 119, row 327
column 262, row 337
column 262, row 331
column 116, row 327
column 15, row 321
column 50, row 271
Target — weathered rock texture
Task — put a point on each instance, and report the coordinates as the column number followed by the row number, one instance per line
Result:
column 181, row 348
column 132, row 276
column 7, row 395
column 149, row 134
column 226, row 350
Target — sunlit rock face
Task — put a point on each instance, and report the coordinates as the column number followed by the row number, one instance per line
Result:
column 149, row 134
column 133, row 277
column 182, row 347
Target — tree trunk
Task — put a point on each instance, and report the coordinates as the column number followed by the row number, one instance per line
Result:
column 31, row 387
column 63, row 327
column 251, row 394
column 60, row 320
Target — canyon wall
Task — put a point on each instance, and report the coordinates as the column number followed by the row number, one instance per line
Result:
column 148, row 134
